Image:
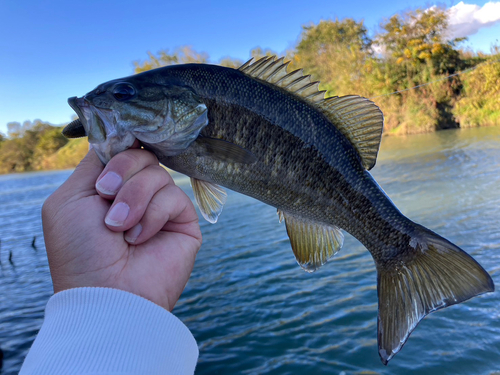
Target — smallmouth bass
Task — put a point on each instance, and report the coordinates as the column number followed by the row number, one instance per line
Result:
column 272, row 135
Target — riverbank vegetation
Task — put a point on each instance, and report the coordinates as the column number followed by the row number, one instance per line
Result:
column 38, row 145
column 420, row 78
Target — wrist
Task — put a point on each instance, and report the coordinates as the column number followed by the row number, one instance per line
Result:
column 120, row 331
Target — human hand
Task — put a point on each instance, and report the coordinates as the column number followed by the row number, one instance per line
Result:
column 133, row 230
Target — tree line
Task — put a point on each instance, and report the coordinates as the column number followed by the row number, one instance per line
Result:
column 38, row 145
column 409, row 69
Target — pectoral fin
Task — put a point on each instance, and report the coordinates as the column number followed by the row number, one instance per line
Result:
column 210, row 199
column 313, row 244
column 225, row 151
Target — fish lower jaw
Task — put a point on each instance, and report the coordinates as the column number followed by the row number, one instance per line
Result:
column 113, row 145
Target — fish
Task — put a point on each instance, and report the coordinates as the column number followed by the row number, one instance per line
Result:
column 273, row 135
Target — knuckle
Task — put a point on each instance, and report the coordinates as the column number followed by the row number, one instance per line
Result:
column 148, row 156
column 130, row 160
column 126, row 160
column 174, row 191
column 160, row 205
column 156, row 207
column 163, row 174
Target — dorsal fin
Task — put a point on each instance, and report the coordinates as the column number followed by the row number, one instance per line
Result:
column 359, row 119
column 274, row 71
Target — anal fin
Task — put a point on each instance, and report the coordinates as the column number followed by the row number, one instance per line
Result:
column 313, row 244
column 210, row 198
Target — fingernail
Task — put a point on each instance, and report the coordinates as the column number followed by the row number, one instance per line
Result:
column 109, row 184
column 117, row 215
column 133, row 233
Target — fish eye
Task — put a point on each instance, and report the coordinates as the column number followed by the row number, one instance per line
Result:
column 123, row 91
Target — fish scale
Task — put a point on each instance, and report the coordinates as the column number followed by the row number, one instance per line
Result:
column 270, row 134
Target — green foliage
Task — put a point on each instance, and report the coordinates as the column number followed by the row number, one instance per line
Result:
column 67, row 156
column 14, row 129
column 481, row 103
column 417, row 52
column 181, row 55
column 14, row 156
column 49, row 142
column 259, row 52
column 230, row 62
column 29, row 144
column 338, row 53
column 418, row 38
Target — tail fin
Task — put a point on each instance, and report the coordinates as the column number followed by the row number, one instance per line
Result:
column 439, row 275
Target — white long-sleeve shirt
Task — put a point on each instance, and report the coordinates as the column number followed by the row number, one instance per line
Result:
column 109, row 331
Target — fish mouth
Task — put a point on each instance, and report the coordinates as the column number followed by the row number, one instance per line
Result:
column 95, row 128
column 101, row 129
column 73, row 103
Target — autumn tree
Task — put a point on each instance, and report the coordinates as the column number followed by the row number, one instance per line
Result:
column 418, row 52
column 481, row 103
column 259, row 52
column 181, row 55
column 14, row 129
column 230, row 62
column 28, row 145
column 417, row 42
column 336, row 53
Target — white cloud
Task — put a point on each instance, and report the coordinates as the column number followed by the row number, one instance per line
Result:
column 378, row 49
column 467, row 19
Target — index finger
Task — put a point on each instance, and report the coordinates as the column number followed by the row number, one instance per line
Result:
column 121, row 168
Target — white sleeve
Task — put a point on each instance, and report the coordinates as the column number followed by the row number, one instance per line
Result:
column 109, row 331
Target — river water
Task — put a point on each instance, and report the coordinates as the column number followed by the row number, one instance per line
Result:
column 254, row 311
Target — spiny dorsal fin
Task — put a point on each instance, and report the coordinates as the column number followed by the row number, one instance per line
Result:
column 210, row 199
column 359, row 119
column 313, row 244
column 274, row 71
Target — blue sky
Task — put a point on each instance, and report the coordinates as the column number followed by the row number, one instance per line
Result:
column 52, row 50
